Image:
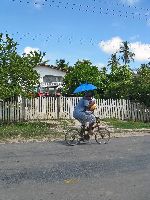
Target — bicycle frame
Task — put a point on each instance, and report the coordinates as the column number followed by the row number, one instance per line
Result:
column 73, row 136
column 84, row 128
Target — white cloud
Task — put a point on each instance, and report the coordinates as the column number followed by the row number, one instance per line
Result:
column 27, row 50
column 111, row 46
column 142, row 51
column 130, row 2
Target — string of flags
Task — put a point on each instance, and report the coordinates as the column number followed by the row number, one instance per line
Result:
column 134, row 12
column 56, row 38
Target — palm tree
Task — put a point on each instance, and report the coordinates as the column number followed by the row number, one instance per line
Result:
column 127, row 54
column 114, row 61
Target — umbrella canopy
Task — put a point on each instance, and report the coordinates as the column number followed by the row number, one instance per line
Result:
column 85, row 87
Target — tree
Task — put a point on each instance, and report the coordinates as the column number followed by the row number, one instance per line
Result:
column 127, row 54
column 140, row 90
column 82, row 72
column 17, row 74
column 114, row 61
column 119, row 81
column 61, row 64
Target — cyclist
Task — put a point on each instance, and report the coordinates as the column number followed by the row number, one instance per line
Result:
column 83, row 112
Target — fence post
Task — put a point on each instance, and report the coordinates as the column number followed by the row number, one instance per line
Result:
column 23, row 108
column 58, row 106
column 1, row 110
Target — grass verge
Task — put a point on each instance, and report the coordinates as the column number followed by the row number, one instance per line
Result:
column 116, row 123
column 28, row 130
column 53, row 129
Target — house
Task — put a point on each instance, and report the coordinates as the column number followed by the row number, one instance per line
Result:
column 51, row 79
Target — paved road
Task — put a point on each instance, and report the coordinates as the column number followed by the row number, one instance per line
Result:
column 119, row 170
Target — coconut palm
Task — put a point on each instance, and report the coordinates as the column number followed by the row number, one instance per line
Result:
column 114, row 61
column 127, row 55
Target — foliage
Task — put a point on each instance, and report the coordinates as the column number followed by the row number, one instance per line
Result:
column 120, row 76
column 17, row 74
column 127, row 55
column 114, row 61
column 82, row 72
column 119, row 82
column 140, row 90
column 61, row 64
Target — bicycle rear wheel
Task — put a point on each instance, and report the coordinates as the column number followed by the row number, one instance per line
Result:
column 72, row 136
column 102, row 135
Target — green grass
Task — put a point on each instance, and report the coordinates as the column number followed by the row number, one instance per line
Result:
column 54, row 129
column 28, row 130
column 116, row 123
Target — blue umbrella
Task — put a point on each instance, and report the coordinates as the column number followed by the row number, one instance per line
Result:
column 85, row 87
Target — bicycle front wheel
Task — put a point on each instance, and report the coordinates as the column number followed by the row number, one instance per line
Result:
column 102, row 135
column 72, row 137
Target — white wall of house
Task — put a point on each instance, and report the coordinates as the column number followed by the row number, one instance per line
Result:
column 47, row 70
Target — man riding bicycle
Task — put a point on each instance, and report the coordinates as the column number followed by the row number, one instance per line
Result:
column 83, row 111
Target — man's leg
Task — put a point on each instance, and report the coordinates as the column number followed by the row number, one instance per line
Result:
column 90, row 131
column 92, row 121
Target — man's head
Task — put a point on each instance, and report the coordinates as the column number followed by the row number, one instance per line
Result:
column 89, row 94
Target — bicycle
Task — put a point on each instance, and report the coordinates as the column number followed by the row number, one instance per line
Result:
column 74, row 135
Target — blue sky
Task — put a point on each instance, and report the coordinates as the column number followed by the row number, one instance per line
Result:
column 78, row 29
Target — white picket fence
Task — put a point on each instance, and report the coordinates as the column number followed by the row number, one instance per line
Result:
column 53, row 108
